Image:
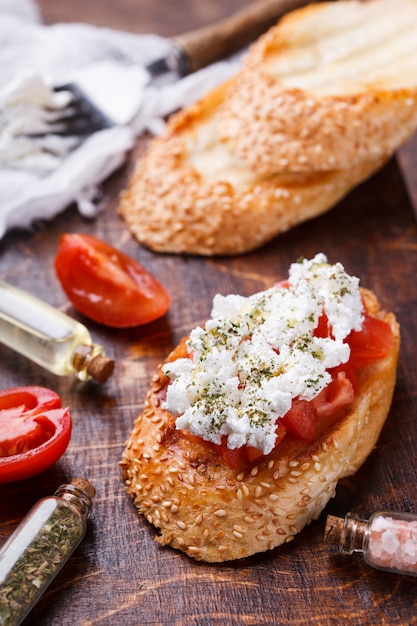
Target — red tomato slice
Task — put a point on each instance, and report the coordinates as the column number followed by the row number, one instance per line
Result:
column 337, row 395
column 35, row 431
column 301, row 420
column 372, row 342
column 107, row 285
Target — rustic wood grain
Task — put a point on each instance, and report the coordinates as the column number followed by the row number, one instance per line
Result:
column 119, row 575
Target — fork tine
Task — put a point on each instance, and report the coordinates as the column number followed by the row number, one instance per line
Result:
column 82, row 116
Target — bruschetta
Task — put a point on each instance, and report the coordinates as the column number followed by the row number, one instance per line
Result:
column 253, row 419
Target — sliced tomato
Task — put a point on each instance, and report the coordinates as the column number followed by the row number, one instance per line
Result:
column 373, row 342
column 322, row 328
column 337, row 395
column 35, row 431
column 301, row 420
column 107, row 285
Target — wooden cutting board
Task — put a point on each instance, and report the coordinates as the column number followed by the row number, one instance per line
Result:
column 119, row 574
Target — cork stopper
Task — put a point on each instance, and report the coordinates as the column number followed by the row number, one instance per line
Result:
column 84, row 485
column 100, row 368
column 333, row 529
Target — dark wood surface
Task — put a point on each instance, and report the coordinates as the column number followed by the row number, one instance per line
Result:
column 119, row 575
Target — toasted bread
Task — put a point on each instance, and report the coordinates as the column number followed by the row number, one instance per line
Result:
column 331, row 85
column 190, row 194
column 214, row 513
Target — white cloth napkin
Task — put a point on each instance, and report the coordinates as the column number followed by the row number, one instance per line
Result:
column 39, row 179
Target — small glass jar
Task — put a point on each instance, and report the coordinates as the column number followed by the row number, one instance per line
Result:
column 49, row 337
column 387, row 540
column 39, row 547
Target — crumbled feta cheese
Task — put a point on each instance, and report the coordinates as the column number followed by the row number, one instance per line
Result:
column 256, row 354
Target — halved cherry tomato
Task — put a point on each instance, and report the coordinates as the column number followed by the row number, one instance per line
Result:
column 35, row 431
column 107, row 285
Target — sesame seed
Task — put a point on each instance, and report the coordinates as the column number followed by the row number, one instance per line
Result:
column 239, row 494
column 193, row 549
column 174, row 509
column 182, row 525
column 220, row 513
column 245, row 489
column 266, row 485
column 258, row 491
column 198, row 520
column 273, row 497
column 254, row 470
column 237, row 534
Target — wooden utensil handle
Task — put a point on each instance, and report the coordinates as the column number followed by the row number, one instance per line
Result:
column 211, row 43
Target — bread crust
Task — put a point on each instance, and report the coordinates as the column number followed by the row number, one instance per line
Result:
column 214, row 513
column 190, row 194
column 331, row 85
column 322, row 102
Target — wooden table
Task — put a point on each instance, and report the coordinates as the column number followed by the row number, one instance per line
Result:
column 119, row 575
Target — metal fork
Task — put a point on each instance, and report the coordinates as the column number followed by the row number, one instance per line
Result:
column 79, row 118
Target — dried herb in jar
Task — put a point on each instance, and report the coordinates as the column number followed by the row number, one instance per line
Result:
column 40, row 546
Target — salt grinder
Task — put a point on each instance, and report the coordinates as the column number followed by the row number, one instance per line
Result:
column 387, row 540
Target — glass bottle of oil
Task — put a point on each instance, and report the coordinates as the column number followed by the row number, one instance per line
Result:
column 50, row 338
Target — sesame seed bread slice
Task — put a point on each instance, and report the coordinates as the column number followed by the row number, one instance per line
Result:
column 191, row 194
column 330, row 85
column 214, row 513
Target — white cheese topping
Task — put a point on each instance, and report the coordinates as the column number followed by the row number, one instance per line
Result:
column 256, row 354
